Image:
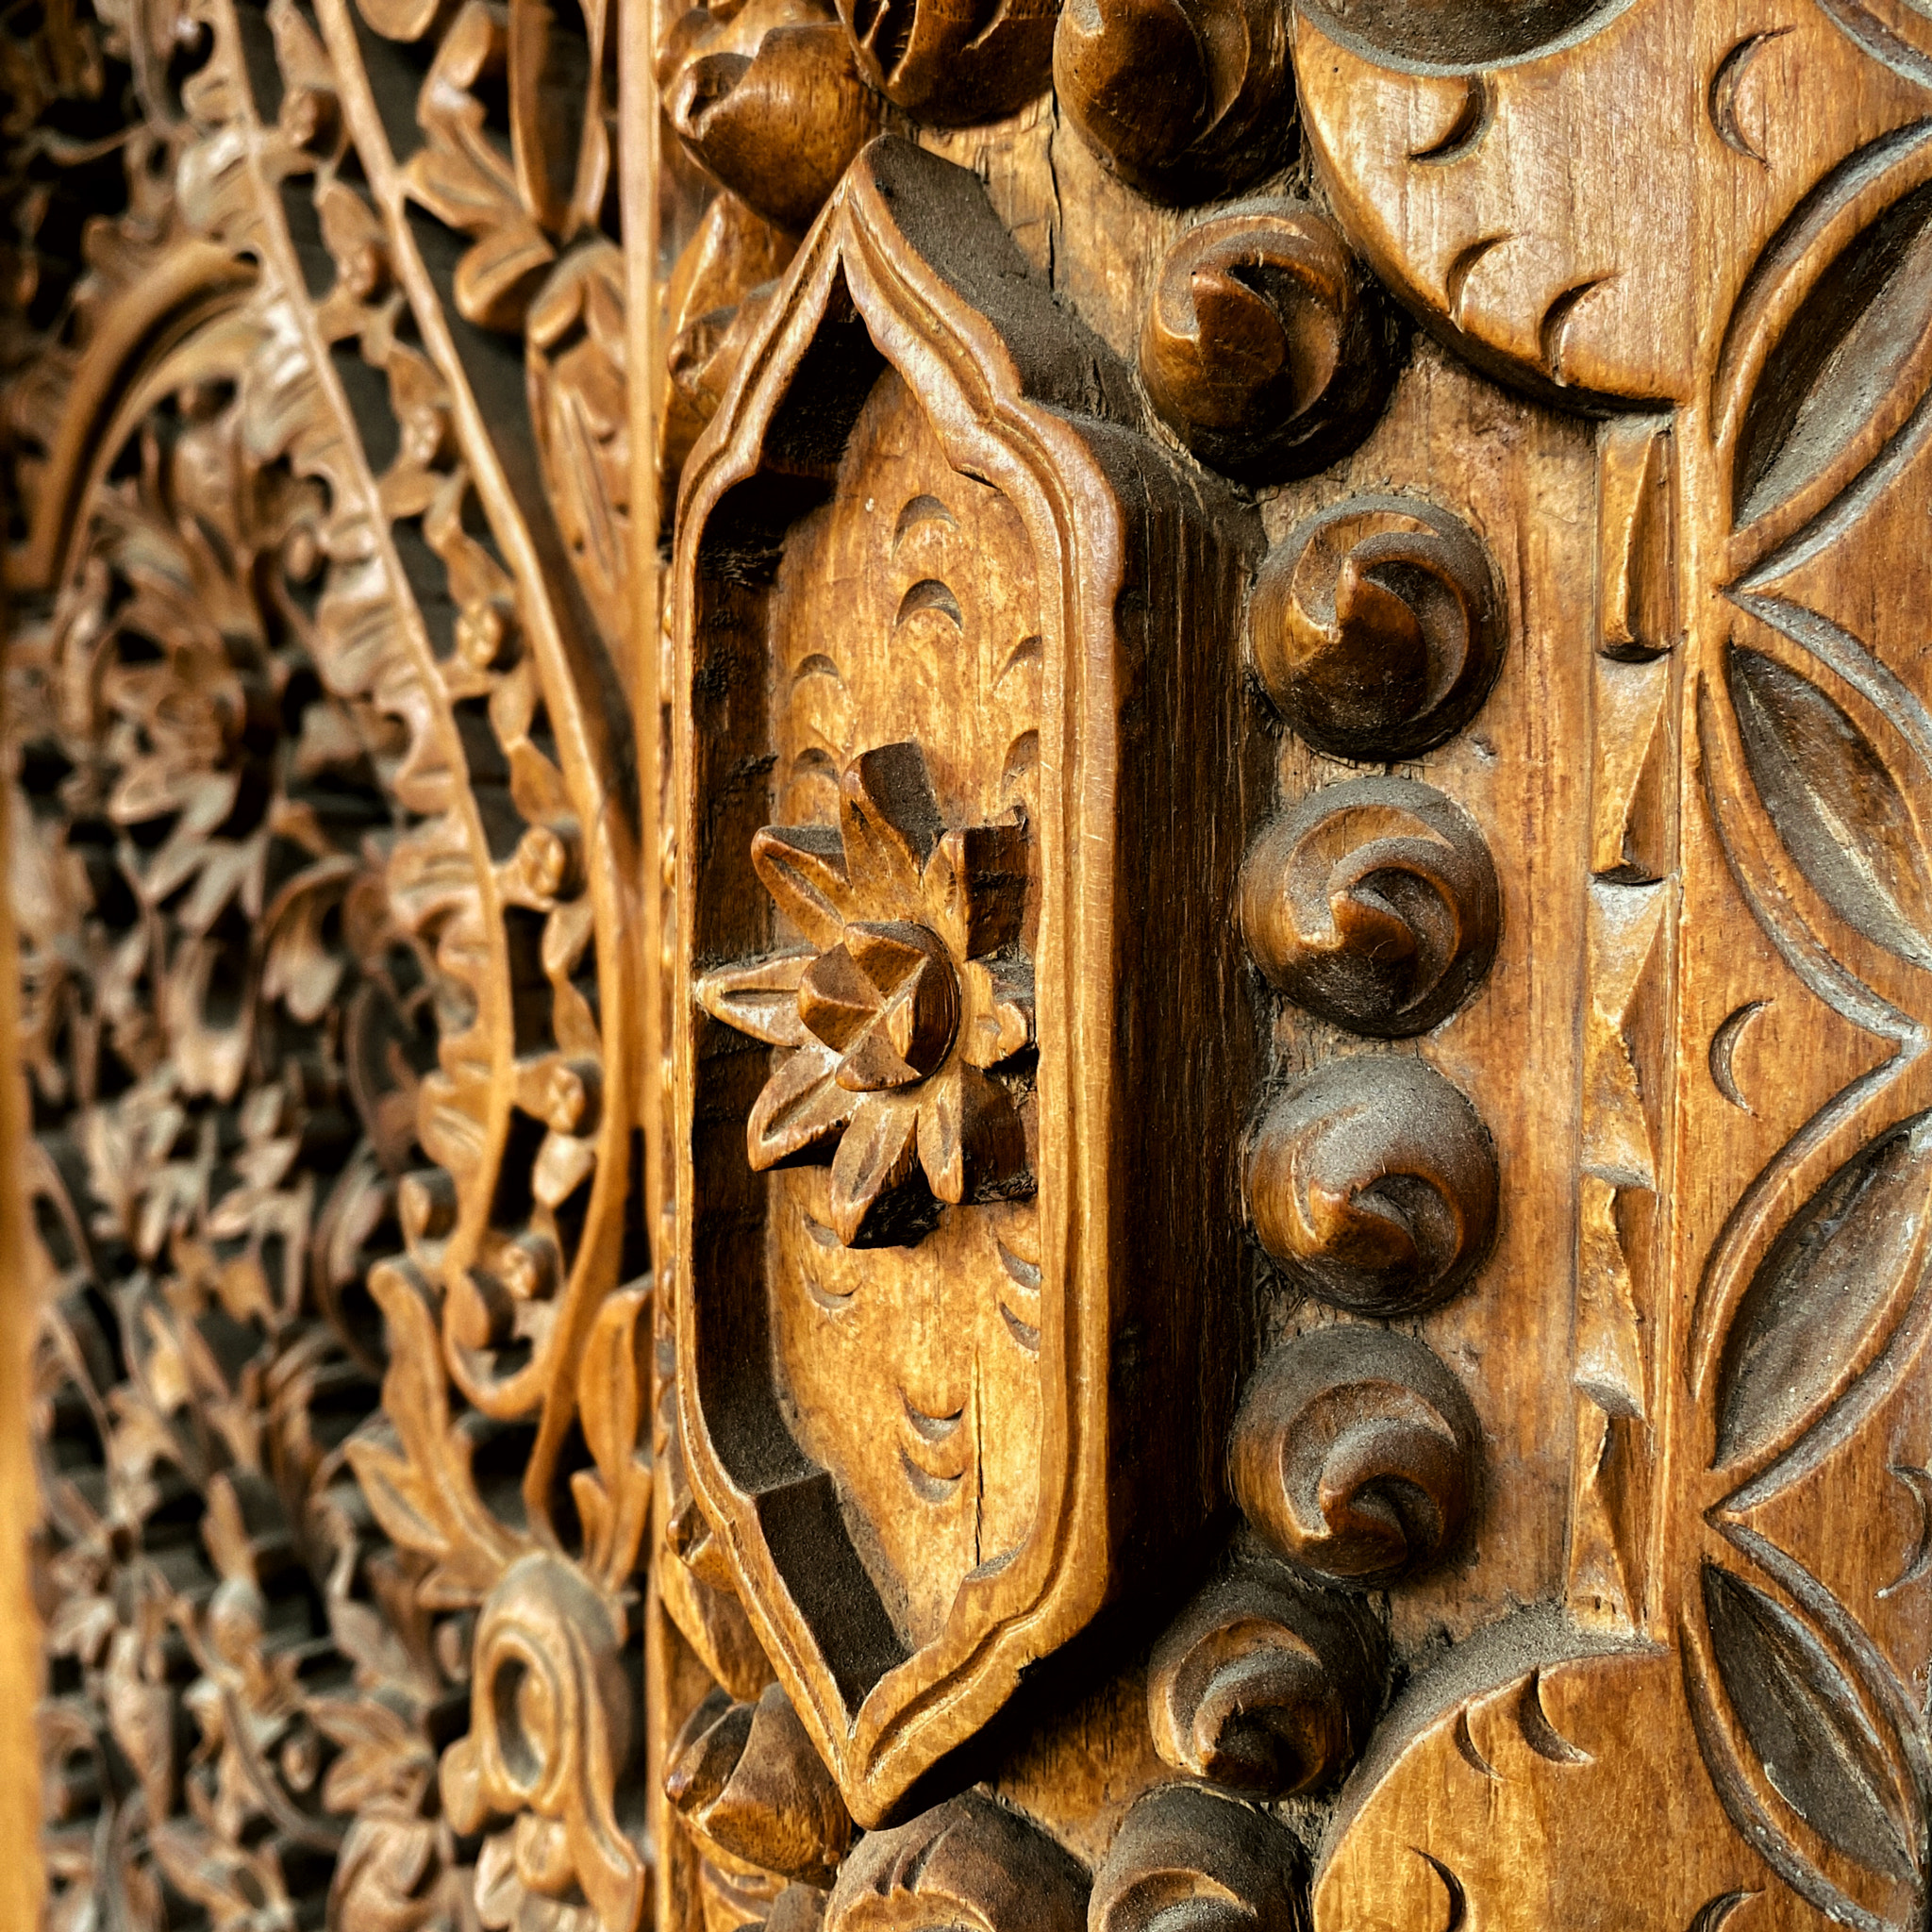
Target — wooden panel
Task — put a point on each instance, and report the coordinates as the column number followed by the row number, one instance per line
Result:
column 968, row 965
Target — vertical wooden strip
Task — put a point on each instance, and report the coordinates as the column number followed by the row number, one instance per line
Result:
column 21, row 1878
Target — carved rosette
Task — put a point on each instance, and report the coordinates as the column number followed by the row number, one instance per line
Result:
column 903, row 1024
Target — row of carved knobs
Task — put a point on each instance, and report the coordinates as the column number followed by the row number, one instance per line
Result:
column 969, row 1861
column 1355, row 1462
column 1374, row 904
column 765, row 1815
column 1266, row 348
column 1373, row 1183
column 1185, row 100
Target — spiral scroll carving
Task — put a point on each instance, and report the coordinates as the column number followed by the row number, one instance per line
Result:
column 1185, row 100
column 969, row 1865
column 1355, row 1454
column 551, row 1740
column 776, row 120
column 1265, row 1685
column 1266, row 349
column 1377, row 628
column 1186, row 1855
column 748, row 1784
column 1372, row 903
column 1374, row 1184
column 951, row 64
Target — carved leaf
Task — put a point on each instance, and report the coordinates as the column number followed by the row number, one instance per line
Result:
column 613, row 1501
column 1841, row 813
column 1848, row 1267
column 424, row 1498
column 1805, row 1725
column 1847, row 370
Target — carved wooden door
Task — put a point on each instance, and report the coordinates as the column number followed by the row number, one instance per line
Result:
column 973, row 963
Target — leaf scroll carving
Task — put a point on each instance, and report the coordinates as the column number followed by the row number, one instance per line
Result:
column 778, row 121
column 748, row 1782
column 550, row 1744
column 949, row 65
column 351, row 819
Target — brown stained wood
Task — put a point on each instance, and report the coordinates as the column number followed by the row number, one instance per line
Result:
column 902, row 1047
column 1193, row 1849
column 1378, row 628
column 342, row 804
column 950, row 65
column 777, row 124
column 1264, row 349
column 1374, row 1184
column 1183, row 101
column 923, row 867
column 1372, row 903
column 1264, row 1685
column 23, row 1798
column 1356, row 1455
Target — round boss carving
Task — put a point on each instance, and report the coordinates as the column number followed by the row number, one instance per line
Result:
column 1188, row 1856
column 1356, row 1454
column 1378, row 628
column 1264, row 1685
column 1372, row 903
column 1374, row 1185
column 1183, row 99
column 1266, row 349
column 952, row 64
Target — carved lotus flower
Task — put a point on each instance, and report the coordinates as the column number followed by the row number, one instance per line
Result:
column 904, row 1019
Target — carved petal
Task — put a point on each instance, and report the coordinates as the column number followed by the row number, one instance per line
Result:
column 999, row 1005
column 759, row 998
column 875, row 1158
column 1805, row 1725
column 1839, row 1282
column 1841, row 813
column 971, row 1142
column 802, row 1108
column 976, row 884
column 804, row 869
column 891, row 823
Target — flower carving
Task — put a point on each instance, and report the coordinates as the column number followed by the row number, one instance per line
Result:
column 908, row 1017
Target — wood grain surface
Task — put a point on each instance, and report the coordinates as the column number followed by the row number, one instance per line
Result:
column 966, row 965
